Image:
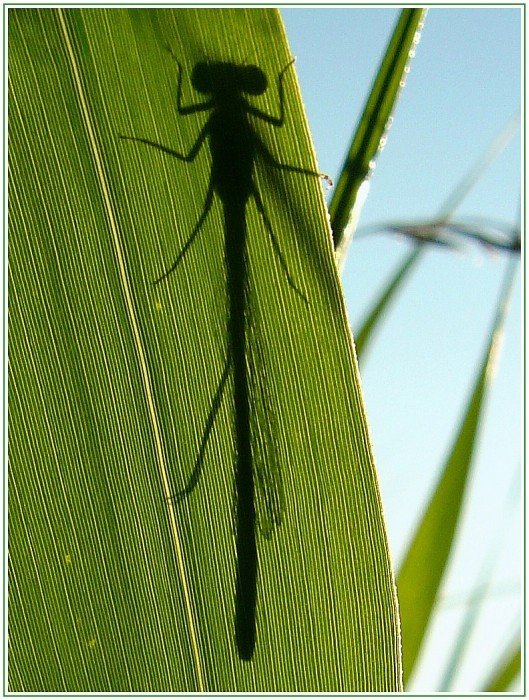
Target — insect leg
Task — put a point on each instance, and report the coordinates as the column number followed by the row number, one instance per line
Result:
column 275, row 244
column 198, row 226
column 189, row 109
column 195, row 476
column 268, row 118
column 165, row 149
column 272, row 160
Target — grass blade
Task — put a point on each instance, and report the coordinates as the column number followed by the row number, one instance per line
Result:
column 489, row 156
column 422, row 569
column 483, row 588
column 365, row 333
column 345, row 205
column 113, row 586
column 431, row 234
column 508, row 669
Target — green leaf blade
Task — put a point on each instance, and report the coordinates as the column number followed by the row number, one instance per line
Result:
column 137, row 590
column 369, row 325
column 71, row 348
column 507, row 670
column 424, row 564
column 373, row 124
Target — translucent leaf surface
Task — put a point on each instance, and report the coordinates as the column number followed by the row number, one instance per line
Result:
column 114, row 585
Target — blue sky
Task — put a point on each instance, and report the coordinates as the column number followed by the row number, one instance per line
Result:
column 463, row 87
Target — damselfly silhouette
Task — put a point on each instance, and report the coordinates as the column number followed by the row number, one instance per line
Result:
column 234, row 146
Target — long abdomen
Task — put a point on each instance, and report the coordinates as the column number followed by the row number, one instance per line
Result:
column 237, row 282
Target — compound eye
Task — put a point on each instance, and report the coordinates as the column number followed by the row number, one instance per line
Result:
column 202, row 78
column 252, row 80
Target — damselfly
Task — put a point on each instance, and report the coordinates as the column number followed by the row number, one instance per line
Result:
column 234, row 146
